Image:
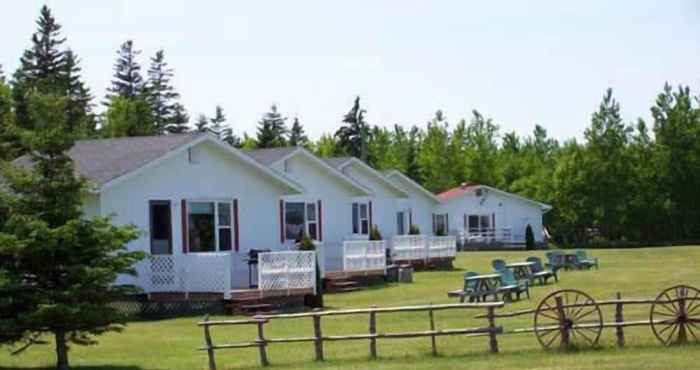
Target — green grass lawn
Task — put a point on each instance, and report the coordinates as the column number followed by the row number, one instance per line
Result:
column 170, row 344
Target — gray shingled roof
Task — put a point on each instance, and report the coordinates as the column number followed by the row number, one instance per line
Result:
column 103, row 160
column 269, row 156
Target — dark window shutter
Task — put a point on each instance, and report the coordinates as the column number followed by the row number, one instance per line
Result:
column 434, row 225
column 185, row 234
column 410, row 219
column 370, row 215
column 281, row 221
column 493, row 220
column 320, row 220
column 236, row 239
column 447, row 223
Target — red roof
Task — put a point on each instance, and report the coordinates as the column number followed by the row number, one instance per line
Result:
column 455, row 192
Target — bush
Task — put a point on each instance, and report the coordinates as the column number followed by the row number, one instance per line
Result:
column 306, row 244
column 374, row 234
column 414, row 230
column 529, row 238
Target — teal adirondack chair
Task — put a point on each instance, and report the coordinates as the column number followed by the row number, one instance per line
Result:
column 586, row 261
column 469, row 290
column 555, row 260
column 509, row 286
column 539, row 272
column 498, row 265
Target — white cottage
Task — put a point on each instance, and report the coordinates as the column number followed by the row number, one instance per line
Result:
column 481, row 214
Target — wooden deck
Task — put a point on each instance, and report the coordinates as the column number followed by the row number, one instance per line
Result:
column 353, row 274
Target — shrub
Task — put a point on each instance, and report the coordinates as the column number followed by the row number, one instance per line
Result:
column 529, row 238
column 374, row 234
column 306, row 244
column 414, row 230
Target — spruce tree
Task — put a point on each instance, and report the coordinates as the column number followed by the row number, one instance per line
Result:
column 272, row 130
column 10, row 144
column 218, row 123
column 58, row 268
column 79, row 97
column 297, row 136
column 354, row 135
column 127, row 81
column 161, row 93
column 202, row 123
column 180, row 120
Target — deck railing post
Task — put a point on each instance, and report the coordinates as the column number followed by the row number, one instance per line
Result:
column 619, row 320
column 493, row 342
column 432, row 329
column 563, row 325
column 372, row 331
column 318, row 338
column 210, row 346
column 262, row 344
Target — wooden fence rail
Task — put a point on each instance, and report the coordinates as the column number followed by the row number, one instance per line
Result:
column 261, row 342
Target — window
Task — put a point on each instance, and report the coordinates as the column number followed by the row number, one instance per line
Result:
column 401, row 223
column 479, row 224
column 360, row 219
column 161, row 227
column 209, row 226
column 441, row 226
column 300, row 217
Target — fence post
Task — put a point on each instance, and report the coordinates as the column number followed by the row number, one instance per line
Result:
column 318, row 341
column 373, row 330
column 210, row 349
column 262, row 344
column 619, row 320
column 493, row 342
column 563, row 327
column 432, row 328
column 682, row 308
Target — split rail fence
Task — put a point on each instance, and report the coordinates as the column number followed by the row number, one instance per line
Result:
column 319, row 338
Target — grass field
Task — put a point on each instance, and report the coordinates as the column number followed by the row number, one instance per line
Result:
column 170, row 344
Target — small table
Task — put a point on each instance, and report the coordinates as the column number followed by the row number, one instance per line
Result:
column 521, row 270
column 485, row 284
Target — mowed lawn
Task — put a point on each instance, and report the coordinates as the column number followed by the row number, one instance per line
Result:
column 171, row 344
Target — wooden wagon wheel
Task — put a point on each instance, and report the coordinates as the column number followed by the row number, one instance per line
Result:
column 675, row 315
column 570, row 317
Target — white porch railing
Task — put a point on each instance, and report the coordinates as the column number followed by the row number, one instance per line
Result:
column 292, row 270
column 364, row 255
column 189, row 273
column 409, row 248
column 484, row 235
column 442, row 247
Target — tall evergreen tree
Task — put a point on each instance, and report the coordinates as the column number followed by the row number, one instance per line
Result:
column 10, row 144
column 180, row 120
column 218, row 123
column 272, row 129
column 202, row 123
column 58, row 268
column 79, row 97
column 297, row 136
column 127, row 81
column 354, row 134
column 161, row 93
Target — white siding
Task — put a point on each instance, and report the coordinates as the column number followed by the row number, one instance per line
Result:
column 218, row 175
column 421, row 205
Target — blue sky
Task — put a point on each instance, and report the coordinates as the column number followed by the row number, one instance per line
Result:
column 545, row 62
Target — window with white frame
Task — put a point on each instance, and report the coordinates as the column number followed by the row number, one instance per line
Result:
column 360, row 218
column 441, row 226
column 479, row 224
column 209, row 226
column 300, row 218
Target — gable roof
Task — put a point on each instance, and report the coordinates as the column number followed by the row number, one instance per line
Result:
column 396, row 173
column 272, row 156
column 457, row 192
column 104, row 162
column 342, row 162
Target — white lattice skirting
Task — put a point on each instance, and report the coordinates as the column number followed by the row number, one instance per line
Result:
column 364, row 255
column 293, row 270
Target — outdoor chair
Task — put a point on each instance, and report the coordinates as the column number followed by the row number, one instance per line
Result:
column 469, row 290
column 498, row 265
column 584, row 260
column 555, row 260
column 510, row 285
column 539, row 272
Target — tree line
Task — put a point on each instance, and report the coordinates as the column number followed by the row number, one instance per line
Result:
column 625, row 181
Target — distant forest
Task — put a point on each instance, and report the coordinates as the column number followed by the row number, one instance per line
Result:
column 624, row 183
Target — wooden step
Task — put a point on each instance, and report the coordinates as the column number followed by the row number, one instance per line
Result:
column 341, row 284
column 348, row 289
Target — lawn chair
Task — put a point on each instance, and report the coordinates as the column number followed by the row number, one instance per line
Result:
column 469, row 290
column 509, row 286
column 498, row 265
column 555, row 260
column 539, row 272
column 584, row 260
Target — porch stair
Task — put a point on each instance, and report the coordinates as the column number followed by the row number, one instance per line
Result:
column 340, row 284
column 249, row 302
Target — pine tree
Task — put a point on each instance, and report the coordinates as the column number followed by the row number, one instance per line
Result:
column 297, row 136
column 58, row 268
column 10, row 144
column 79, row 97
column 354, row 135
column 272, row 129
column 202, row 123
column 127, row 82
column 218, row 123
column 180, row 120
column 161, row 93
